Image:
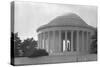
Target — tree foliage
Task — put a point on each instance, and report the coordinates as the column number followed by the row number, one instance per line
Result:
column 28, row 45
column 16, row 42
column 94, row 43
column 25, row 48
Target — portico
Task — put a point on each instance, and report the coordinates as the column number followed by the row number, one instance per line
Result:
column 65, row 35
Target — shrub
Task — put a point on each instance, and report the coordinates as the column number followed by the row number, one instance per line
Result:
column 38, row 53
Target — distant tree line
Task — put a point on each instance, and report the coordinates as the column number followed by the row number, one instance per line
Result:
column 26, row 48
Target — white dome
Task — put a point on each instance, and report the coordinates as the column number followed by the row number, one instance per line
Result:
column 69, row 19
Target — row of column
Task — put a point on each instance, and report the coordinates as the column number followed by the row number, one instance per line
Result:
column 45, row 43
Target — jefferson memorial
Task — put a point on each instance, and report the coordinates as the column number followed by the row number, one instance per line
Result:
column 65, row 35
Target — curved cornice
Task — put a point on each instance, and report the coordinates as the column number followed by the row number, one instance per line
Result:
column 46, row 27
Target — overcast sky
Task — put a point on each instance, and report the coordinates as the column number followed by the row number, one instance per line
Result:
column 29, row 16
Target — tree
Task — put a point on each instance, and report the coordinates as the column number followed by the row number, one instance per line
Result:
column 94, row 43
column 28, row 45
column 15, row 44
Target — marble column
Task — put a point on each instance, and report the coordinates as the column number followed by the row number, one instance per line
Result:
column 44, row 40
column 66, row 41
column 60, row 41
column 53, row 45
column 72, row 41
column 39, row 40
column 48, row 41
column 77, row 43
column 87, row 41
column 83, row 41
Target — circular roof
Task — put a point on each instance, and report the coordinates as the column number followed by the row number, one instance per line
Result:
column 69, row 19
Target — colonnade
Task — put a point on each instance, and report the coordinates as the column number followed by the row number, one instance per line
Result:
column 47, row 40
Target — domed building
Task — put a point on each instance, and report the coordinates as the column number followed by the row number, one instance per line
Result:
column 65, row 35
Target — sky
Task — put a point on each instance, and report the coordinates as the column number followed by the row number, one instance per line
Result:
column 31, row 15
